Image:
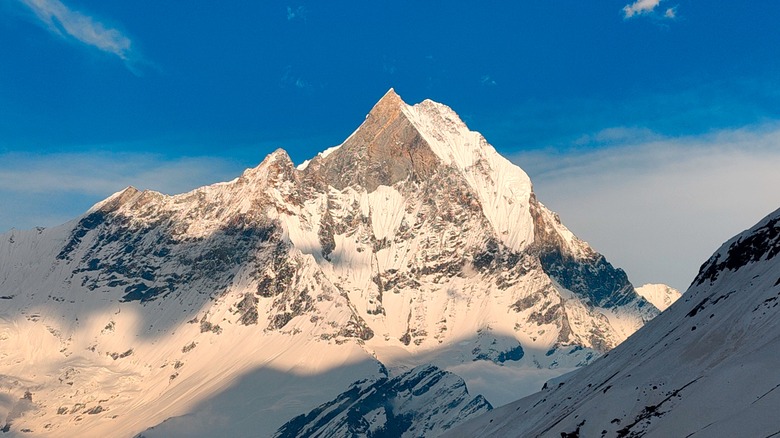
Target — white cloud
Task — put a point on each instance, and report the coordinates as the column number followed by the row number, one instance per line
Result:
column 67, row 23
column 658, row 208
column 640, row 7
column 671, row 13
column 618, row 135
column 105, row 172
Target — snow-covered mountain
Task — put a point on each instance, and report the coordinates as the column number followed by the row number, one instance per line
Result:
column 424, row 401
column 238, row 306
column 706, row 367
column 659, row 295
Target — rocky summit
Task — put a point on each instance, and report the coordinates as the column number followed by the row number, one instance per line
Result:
column 239, row 306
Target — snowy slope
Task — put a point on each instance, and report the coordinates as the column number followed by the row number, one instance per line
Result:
column 411, row 243
column 660, row 295
column 706, row 367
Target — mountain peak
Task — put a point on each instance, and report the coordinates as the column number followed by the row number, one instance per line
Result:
column 385, row 149
column 399, row 142
column 390, row 99
column 659, row 295
column 116, row 200
column 279, row 156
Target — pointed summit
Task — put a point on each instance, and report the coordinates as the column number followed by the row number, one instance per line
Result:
column 116, row 200
column 389, row 100
column 385, row 110
column 385, row 149
column 398, row 142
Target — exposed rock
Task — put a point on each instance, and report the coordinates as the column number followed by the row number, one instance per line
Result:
column 425, row 401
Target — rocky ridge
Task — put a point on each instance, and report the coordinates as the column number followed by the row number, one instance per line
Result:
column 424, row 401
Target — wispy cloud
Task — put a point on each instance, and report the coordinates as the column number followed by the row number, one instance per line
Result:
column 639, row 117
column 101, row 173
column 298, row 13
column 658, row 206
column 70, row 24
column 291, row 78
column 487, row 80
column 647, row 7
column 388, row 65
column 69, row 183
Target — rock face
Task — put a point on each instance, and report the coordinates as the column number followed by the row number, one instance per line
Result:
column 705, row 367
column 413, row 242
column 424, row 401
column 387, row 149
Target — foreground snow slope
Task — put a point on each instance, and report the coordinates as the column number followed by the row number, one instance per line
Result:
column 414, row 242
column 706, row 367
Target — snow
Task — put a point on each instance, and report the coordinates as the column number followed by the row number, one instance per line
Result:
column 503, row 189
column 263, row 398
column 705, row 367
column 659, row 295
column 322, row 154
column 503, row 384
column 386, row 211
column 221, row 379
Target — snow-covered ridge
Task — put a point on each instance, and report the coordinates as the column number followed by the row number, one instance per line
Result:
column 503, row 188
column 435, row 399
column 761, row 242
column 322, row 154
column 661, row 295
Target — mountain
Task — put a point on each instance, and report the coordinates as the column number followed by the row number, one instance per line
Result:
column 706, row 367
column 424, row 401
column 241, row 305
column 660, row 295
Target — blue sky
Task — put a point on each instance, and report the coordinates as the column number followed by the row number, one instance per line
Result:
column 646, row 124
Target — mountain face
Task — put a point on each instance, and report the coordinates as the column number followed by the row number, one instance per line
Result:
column 411, row 243
column 706, row 367
column 660, row 295
column 424, row 401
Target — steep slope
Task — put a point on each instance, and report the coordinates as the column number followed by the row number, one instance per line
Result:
column 412, row 243
column 705, row 367
column 659, row 295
